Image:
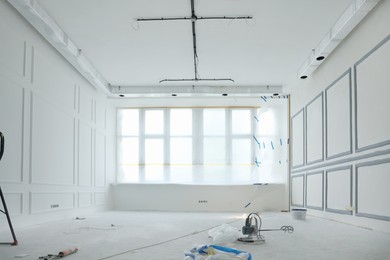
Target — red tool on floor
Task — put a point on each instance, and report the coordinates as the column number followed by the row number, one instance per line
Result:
column 60, row 254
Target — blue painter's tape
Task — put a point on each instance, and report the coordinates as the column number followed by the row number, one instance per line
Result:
column 272, row 144
column 281, row 143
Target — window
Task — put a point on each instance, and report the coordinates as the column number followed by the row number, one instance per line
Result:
column 157, row 144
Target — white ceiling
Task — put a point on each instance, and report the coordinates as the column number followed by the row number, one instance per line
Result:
column 267, row 50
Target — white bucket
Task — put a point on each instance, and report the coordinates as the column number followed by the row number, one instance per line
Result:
column 299, row 213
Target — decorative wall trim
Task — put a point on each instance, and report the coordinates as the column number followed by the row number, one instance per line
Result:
column 347, row 212
column 344, row 160
column 363, row 214
column 319, row 96
column 303, row 138
column 303, row 190
column 349, row 74
column 322, row 191
column 374, row 145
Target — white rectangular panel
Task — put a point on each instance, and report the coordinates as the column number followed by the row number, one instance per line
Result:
column 52, row 144
column 338, row 117
column 338, row 193
column 372, row 93
column 100, row 160
column 314, row 190
column 372, row 191
column 314, row 130
column 51, row 201
column 14, row 203
column 11, row 125
column 297, row 139
column 54, row 76
column 85, row 154
column 297, row 191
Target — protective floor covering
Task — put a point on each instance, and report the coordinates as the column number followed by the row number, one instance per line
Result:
column 167, row 235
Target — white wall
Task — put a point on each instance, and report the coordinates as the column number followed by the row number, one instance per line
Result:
column 59, row 131
column 344, row 155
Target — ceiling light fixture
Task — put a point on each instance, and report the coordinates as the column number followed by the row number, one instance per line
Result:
column 40, row 20
column 351, row 17
column 193, row 18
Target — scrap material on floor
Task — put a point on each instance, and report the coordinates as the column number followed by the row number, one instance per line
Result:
column 169, row 235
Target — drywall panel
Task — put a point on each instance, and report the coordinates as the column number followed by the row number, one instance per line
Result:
column 372, row 189
column 338, row 103
column 52, row 144
column 297, row 139
column 85, row 199
column 339, row 190
column 372, row 83
column 85, row 103
column 315, row 190
column 54, row 77
column 314, row 130
column 14, row 204
column 100, row 159
column 100, row 198
column 85, row 154
column 12, row 50
column 51, row 201
column 11, row 125
column 297, row 190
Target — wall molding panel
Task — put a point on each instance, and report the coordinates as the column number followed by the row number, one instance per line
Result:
column 52, row 153
column 368, row 203
column 315, row 190
column 355, row 168
column 314, row 131
column 298, row 139
column 339, row 190
column 298, row 190
column 338, row 117
column 49, row 114
column 372, row 80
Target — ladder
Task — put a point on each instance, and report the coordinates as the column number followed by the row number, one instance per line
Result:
column 5, row 211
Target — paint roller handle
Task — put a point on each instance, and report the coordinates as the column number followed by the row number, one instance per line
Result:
column 67, row 252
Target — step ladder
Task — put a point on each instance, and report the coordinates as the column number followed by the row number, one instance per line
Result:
column 5, row 211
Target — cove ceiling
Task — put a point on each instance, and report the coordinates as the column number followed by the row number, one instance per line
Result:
column 267, row 50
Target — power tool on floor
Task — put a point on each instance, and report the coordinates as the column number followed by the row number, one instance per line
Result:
column 252, row 229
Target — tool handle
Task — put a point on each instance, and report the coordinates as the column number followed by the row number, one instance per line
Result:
column 1, row 144
column 68, row 252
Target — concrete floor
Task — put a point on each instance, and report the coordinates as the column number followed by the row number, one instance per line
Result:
column 167, row 235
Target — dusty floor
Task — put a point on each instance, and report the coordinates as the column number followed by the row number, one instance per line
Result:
column 167, row 235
